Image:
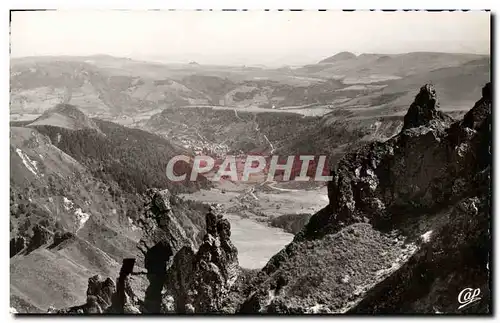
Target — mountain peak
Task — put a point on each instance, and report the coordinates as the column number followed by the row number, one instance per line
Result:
column 342, row 56
column 424, row 109
column 65, row 116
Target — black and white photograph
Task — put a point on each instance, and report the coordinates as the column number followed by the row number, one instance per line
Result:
column 250, row 162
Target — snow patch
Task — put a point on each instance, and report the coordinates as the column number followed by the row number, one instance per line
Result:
column 318, row 308
column 426, row 237
column 132, row 225
column 68, row 204
column 271, row 295
column 31, row 165
column 82, row 217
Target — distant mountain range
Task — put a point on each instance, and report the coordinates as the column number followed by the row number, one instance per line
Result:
column 127, row 91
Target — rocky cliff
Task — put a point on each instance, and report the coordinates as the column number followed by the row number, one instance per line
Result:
column 181, row 279
column 200, row 282
column 183, row 274
column 406, row 227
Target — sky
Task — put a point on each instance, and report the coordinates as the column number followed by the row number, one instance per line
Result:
column 245, row 38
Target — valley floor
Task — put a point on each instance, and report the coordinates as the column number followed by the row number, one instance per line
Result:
column 250, row 212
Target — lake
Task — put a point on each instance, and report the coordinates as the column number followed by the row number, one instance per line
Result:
column 256, row 242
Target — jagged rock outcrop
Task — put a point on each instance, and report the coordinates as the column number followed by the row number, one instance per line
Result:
column 160, row 223
column 200, row 282
column 401, row 190
column 163, row 237
column 189, row 282
column 104, row 296
column 99, row 298
column 100, row 293
column 424, row 109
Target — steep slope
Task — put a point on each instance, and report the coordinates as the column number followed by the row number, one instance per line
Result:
column 401, row 236
column 54, row 198
column 57, row 275
column 134, row 159
column 70, row 218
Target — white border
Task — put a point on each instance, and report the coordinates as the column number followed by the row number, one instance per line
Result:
column 187, row 4
column 255, row 4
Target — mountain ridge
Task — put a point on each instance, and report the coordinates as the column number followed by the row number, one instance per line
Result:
column 368, row 200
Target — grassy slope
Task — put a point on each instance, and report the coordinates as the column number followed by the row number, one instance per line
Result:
column 106, row 237
column 334, row 271
column 61, row 272
column 58, row 276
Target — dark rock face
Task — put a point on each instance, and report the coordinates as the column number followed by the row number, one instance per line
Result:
column 124, row 301
column 156, row 266
column 159, row 220
column 41, row 236
column 459, row 255
column 201, row 282
column 417, row 182
column 424, row 109
column 163, row 237
column 16, row 245
column 189, row 282
column 60, row 237
column 161, row 225
column 481, row 110
column 99, row 293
